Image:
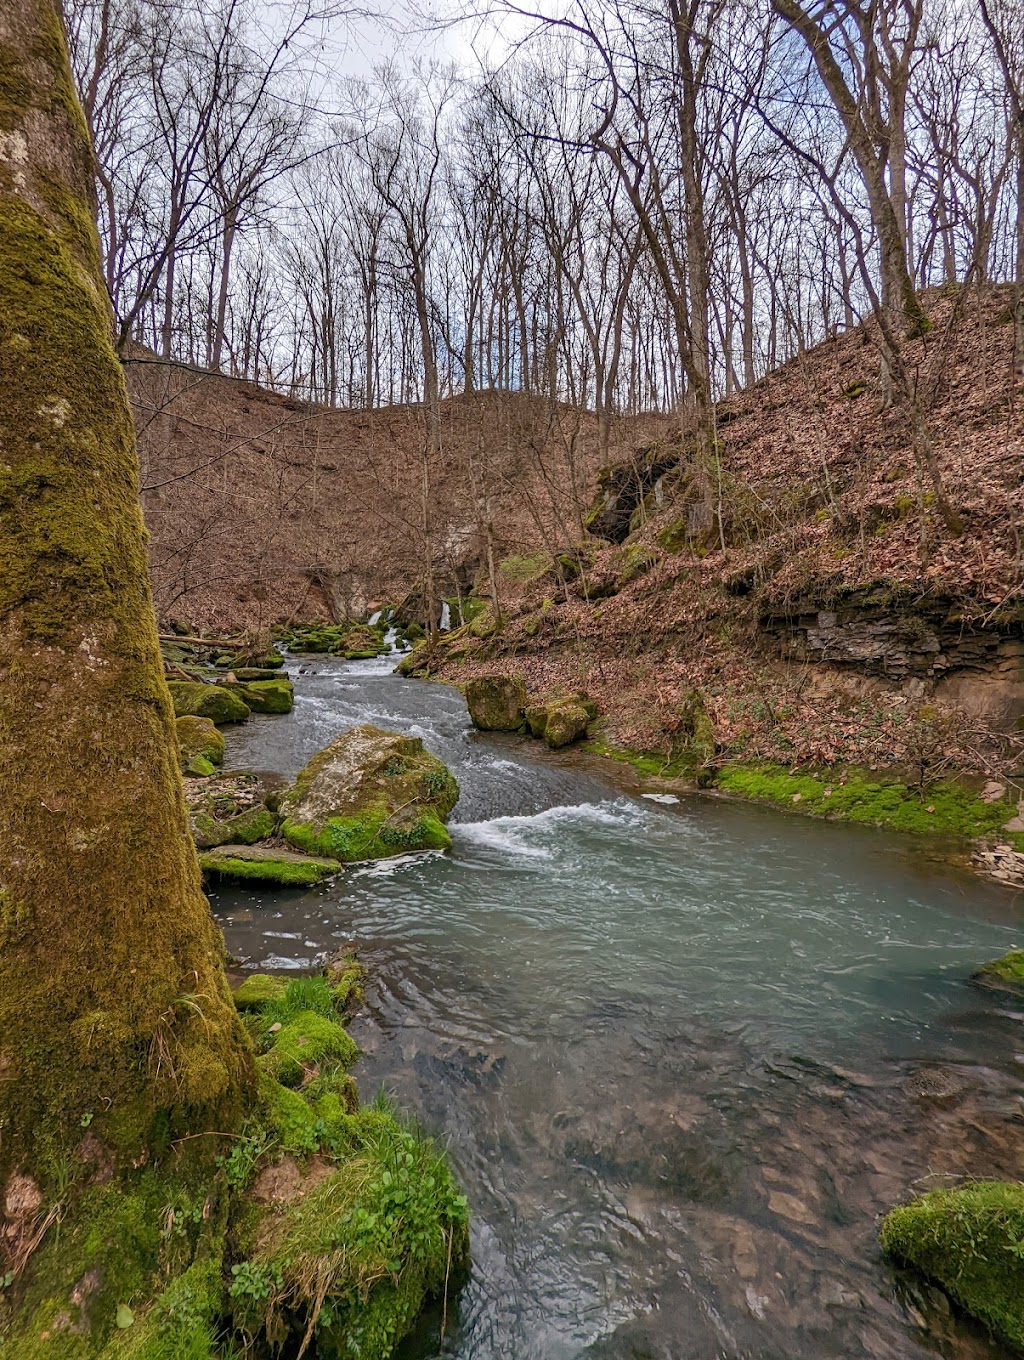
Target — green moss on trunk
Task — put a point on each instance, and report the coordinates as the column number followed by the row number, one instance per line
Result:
column 108, row 954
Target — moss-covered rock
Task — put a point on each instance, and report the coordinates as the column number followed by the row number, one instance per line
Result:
column 634, row 561
column 483, row 624
column 219, row 703
column 360, row 643
column 415, row 662
column 566, row 723
column 258, row 990
column 496, row 702
column 971, row 1242
column 370, row 794
column 198, row 767
column 1005, row 974
column 312, row 640
column 561, row 721
column 199, row 737
column 272, row 865
column 267, row 696
column 246, row 673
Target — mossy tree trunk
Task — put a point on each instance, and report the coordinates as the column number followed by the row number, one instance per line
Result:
column 116, row 1024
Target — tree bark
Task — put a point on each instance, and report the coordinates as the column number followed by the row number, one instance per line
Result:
column 114, row 1010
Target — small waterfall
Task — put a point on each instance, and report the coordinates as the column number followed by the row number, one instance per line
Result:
column 375, row 617
column 446, row 617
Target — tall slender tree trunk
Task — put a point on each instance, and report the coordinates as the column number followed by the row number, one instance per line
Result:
column 220, row 322
column 114, row 1009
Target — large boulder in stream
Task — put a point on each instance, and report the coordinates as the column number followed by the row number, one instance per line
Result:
column 368, row 795
column 496, row 702
column 561, row 721
column 193, row 698
column 265, row 696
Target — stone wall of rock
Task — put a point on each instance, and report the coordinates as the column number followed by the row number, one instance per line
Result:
column 924, row 641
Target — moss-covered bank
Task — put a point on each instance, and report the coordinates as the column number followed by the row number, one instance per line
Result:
column 950, row 809
column 317, row 1219
column 941, row 808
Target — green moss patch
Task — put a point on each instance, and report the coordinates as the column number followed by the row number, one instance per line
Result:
column 1003, row 975
column 945, row 808
column 363, row 1247
column 273, row 866
column 971, row 1242
column 374, row 835
column 258, row 990
column 303, row 1043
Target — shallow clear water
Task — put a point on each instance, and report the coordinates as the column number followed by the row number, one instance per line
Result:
column 683, row 1053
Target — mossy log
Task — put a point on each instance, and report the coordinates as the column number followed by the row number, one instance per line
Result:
column 104, row 930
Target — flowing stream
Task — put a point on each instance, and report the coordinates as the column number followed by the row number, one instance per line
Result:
column 684, row 1054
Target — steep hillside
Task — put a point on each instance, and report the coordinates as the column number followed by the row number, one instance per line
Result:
column 802, row 580
column 264, row 509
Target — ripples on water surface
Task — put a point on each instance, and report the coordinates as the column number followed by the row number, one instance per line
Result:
column 684, row 1054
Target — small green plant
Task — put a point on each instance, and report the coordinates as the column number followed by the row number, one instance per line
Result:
column 255, row 1282
column 241, row 1162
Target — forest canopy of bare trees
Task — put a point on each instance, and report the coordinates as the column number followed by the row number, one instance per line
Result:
column 636, row 207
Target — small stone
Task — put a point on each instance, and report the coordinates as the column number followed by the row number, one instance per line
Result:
column 789, row 1206
column 992, row 792
column 274, row 1028
column 797, row 797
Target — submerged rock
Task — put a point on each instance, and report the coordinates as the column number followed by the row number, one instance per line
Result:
column 192, row 698
column 1005, row 974
column 496, row 702
column 368, row 795
column 271, row 864
column 968, row 1240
